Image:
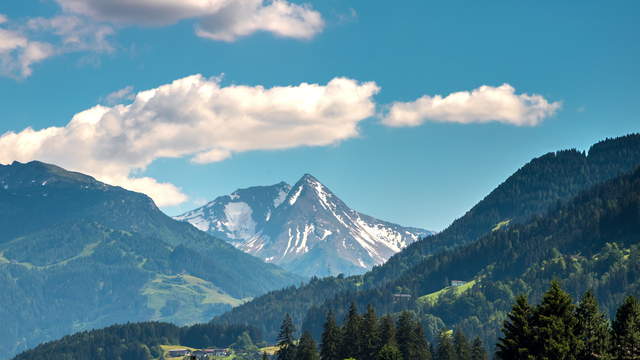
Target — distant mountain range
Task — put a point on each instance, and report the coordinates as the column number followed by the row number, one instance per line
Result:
column 304, row 228
column 77, row 254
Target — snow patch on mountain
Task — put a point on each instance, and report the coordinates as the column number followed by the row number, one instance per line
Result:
column 294, row 197
column 282, row 196
column 239, row 220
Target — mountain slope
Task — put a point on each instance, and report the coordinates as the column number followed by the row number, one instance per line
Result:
column 589, row 243
column 236, row 217
column 77, row 254
column 304, row 228
column 545, row 182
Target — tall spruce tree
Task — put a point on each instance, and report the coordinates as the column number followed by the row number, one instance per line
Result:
column 286, row 345
column 626, row 330
column 555, row 326
column 421, row 348
column 350, row 345
column 387, row 331
column 461, row 345
column 307, row 349
column 478, row 352
column 593, row 329
column 404, row 334
column 410, row 337
column 331, row 339
column 517, row 332
column 370, row 336
column 445, row 347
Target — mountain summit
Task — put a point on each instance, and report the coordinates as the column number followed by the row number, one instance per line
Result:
column 305, row 228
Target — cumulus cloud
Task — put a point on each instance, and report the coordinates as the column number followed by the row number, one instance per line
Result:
column 224, row 20
column 198, row 118
column 484, row 104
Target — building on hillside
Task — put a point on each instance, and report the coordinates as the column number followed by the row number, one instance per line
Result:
column 178, row 352
column 457, row 282
column 199, row 354
column 217, row 352
column 401, row 297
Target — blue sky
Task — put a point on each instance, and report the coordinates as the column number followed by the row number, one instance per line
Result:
column 579, row 58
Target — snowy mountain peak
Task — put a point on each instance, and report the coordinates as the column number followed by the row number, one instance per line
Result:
column 305, row 228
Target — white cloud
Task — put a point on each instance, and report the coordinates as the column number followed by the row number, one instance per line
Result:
column 198, row 118
column 484, row 104
column 88, row 25
column 224, row 20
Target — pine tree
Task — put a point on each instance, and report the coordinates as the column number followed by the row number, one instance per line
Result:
column 478, row 351
column 421, row 348
column 555, row 326
column 331, row 338
column 626, row 330
column 411, row 340
column 370, row 336
column 387, row 332
column 307, row 349
column 516, row 341
column 461, row 345
column 350, row 345
column 445, row 348
column 389, row 352
column 403, row 336
column 286, row 345
column 593, row 329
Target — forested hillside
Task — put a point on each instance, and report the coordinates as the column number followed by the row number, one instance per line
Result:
column 545, row 182
column 590, row 243
column 551, row 178
column 139, row 341
column 78, row 254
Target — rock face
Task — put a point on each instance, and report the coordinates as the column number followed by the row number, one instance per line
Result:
column 304, row 228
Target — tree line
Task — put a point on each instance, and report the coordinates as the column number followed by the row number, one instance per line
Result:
column 367, row 337
column 559, row 329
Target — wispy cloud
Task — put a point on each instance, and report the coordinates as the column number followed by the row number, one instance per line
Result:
column 18, row 53
column 198, row 118
column 484, row 104
column 24, row 44
column 118, row 96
